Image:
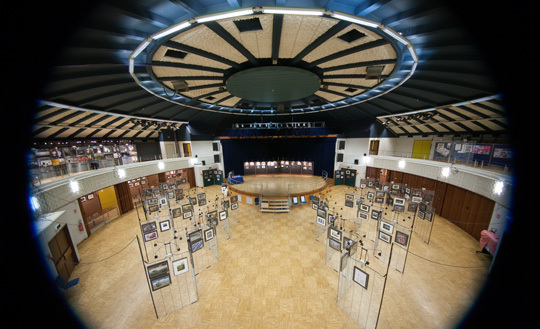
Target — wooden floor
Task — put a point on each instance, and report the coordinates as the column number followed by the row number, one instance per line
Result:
column 271, row 273
column 279, row 185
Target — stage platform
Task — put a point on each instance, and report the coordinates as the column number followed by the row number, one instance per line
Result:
column 279, row 185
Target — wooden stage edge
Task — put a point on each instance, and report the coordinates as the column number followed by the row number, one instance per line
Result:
column 329, row 182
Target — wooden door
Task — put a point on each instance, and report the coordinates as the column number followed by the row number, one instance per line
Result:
column 63, row 254
column 421, row 149
column 374, row 147
column 190, row 174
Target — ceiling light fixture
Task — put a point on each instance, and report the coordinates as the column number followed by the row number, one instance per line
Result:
column 396, row 35
column 293, row 11
column 171, row 30
column 356, row 20
column 229, row 14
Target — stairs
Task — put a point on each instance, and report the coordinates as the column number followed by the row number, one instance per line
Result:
column 275, row 206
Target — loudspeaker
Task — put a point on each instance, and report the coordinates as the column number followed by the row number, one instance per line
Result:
column 356, row 161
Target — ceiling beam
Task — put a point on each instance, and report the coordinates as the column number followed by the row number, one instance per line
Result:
column 320, row 40
column 369, row 6
column 192, row 7
column 200, row 52
column 219, row 30
column 277, row 26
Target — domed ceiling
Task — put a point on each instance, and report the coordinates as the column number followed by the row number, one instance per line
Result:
column 216, row 63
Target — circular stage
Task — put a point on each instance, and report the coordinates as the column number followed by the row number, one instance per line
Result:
column 279, row 185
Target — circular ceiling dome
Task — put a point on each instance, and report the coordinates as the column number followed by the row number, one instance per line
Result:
column 273, row 61
column 273, row 84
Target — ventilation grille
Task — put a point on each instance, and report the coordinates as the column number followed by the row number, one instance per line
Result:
column 247, row 25
column 351, row 36
column 175, row 54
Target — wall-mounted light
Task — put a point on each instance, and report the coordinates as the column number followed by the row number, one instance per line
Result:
column 74, row 186
column 34, row 203
column 121, row 173
column 445, row 172
column 401, row 164
column 498, row 187
column 161, row 165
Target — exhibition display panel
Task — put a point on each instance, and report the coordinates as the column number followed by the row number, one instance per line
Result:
column 179, row 230
column 278, row 167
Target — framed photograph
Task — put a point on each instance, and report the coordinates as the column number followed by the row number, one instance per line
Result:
column 386, row 227
column 399, row 201
column 347, row 243
column 412, row 207
column 187, row 207
column 349, row 203
column 187, row 214
column 226, row 204
column 379, row 199
column 234, row 199
column 385, row 237
column 416, row 199
column 150, row 236
column 163, row 201
column 363, row 215
column 321, row 212
column 176, row 212
column 315, row 199
column 421, row 214
column 161, row 282
column 208, row 234
column 429, row 216
column 364, row 207
column 223, row 215
column 370, row 195
column 334, row 233
column 165, row 225
column 149, row 227
column 360, row 277
column 202, row 202
column 201, row 196
column 331, row 219
column 234, row 206
column 195, row 235
column 152, row 201
column 402, row 238
column 158, row 270
column 349, row 197
column 180, row 266
column 90, row 196
column 315, row 206
column 321, row 221
column 170, row 194
column 196, row 245
column 375, row 214
column 153, row 208
column 395, row 186
column 334, row 244
column 212, row 215
column 399, row 208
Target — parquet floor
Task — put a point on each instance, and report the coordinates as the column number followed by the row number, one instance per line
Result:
column 271, row 273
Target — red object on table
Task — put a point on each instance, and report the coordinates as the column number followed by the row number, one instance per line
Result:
column 490, row 239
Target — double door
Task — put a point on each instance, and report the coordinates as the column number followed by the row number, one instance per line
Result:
column 345, row 177
column 212, row 177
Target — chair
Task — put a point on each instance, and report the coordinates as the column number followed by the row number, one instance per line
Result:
column 64, row 286
column 295, row 200
column 303, row 199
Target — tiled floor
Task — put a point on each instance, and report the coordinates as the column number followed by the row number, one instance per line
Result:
column 271, row 273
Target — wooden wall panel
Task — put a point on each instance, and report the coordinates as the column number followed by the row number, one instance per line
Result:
column 124, row 198
column 396, row 176
column 470, row 211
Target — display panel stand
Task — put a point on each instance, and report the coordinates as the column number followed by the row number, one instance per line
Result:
column 360, row 292
column 171, row 282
